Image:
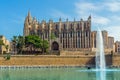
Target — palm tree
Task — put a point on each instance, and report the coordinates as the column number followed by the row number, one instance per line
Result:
column 45, row 45
column 20, row 44
column 14, row 41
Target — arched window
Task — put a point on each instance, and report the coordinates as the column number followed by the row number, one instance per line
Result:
column 78, row 26
column 64, row 27
column 56, row 34
column 95, row 43
column 79, row 43
column 78, row 33
column 71, row 34
column 56, row 27
column 84, row 25
column 71, row 25
column 86, row 33
column 63, row 44
column 63, row 34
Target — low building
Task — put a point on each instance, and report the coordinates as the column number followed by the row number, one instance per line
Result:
column 117, row 46
column 13, row 49
column 110, row 43
column 6, row 47
column 105, row 39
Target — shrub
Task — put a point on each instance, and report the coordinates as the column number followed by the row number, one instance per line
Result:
column 7, row 56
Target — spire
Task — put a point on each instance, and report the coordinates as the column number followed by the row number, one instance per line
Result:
column 67, row 19
column 50, row 20
column 29, row 18
column 60, row 19
column 89, row 18
column 81, row 19
column 29, row 15
column 74, row 20
column 26, row 21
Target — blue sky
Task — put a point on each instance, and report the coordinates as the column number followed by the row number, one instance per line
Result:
column 105, row 14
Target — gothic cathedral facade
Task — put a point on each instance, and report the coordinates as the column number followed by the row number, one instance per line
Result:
column 69, row 35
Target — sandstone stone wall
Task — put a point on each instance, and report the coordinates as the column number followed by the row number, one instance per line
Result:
column 48, row 60
column 116, row 60
column 82, row 52
column 53, row 60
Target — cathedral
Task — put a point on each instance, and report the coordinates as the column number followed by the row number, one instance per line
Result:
column 69, row 35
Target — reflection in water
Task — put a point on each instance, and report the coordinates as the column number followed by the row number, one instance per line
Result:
column 100, row 75
column 6, row 75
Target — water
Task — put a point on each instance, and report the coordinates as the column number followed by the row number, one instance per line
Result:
column 55, row 74
column 100, row 57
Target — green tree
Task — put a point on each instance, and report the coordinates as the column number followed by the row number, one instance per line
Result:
column 20, row 44
column 33, row 42
column 45, row 45
column 1, row 42
column 14, row 41
column 52, row 36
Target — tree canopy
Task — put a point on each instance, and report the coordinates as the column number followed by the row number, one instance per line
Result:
column 33, row 41
column 30, row 43
column 1, row 42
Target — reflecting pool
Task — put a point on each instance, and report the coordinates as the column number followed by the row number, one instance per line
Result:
column 57, row 74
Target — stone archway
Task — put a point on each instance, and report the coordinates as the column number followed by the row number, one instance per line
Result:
column 55, row 46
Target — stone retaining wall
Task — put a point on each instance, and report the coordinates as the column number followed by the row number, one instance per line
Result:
column 48, row 60
column 53, row 60
column 116, row 60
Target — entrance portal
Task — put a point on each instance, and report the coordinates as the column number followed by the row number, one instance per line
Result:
column 55, row 46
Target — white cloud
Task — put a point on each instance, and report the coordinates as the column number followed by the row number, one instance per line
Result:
column 86, row 6
column 84, row 9
column 58, row 14
column 100, row 20
column 113, row 6
column 116, row 18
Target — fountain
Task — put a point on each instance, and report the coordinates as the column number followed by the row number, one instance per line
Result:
column 101, row 72
column 100, row 57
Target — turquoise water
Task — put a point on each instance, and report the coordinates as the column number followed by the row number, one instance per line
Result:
column 55, row 74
